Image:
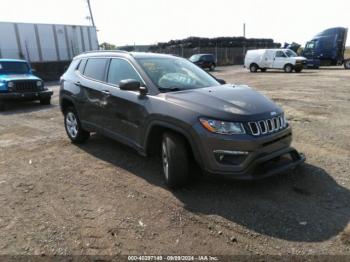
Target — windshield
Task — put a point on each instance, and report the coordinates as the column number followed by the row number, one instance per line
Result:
column 290, row 53
column 176, row 74
column 310, row 45
column 14, row 68
column 194, row 58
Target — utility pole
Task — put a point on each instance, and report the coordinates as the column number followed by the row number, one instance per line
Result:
column 91, row 16
column 244, row 45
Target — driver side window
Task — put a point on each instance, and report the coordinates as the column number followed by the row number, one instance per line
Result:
column 120, row 69
column 280, row 54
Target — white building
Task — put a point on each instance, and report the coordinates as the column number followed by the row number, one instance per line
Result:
column 45, row 42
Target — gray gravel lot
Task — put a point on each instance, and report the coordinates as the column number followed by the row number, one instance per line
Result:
column 103, row 198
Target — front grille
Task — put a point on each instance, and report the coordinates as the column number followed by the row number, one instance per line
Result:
column 267, row 126
column 25, row 86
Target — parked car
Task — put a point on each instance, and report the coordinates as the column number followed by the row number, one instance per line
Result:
column 205, row 61
column 164, row 104
column 263, row 59
column 17, row 82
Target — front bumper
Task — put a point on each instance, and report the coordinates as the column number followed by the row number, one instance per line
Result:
column 269, row 165
column 26, row 95
column 265, row 155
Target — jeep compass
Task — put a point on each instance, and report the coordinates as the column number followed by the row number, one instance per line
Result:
column 163, row 104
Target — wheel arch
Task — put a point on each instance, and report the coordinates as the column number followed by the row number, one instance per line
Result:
column 66, row 102
column 154, row 137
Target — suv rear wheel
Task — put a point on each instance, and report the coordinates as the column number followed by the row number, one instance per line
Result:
column 212, row 67
column 175, row 160
column 73, row 126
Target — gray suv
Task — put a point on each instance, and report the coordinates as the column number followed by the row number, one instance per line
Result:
column 166, row 105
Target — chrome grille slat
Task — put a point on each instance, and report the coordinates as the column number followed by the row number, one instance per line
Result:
column 263, row 127
column 267, row 126
column 254, row 128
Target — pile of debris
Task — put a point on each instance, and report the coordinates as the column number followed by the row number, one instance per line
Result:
column 227, row 42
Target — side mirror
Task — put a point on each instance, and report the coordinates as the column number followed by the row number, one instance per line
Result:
column 221, row 81
column 132, row 85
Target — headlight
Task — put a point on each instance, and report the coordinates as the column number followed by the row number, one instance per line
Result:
column 222, row 127
column 39, row 83
column 10, row 84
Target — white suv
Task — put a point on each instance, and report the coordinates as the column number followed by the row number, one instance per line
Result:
column 264, row 59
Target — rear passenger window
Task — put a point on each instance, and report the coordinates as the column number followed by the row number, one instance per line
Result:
column 81, row 66
column 95, row 68
column 119, row 70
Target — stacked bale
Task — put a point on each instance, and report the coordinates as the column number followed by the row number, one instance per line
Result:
column 228, row 50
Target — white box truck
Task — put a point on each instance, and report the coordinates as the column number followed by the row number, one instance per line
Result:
column 263, row 59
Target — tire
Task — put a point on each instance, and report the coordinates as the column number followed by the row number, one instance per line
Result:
column 253, row 68
column 347, row 64
column 45, row 101
column 212, row 67
column 288, row 68
column 2, row 106
column 298, row 70
column 175, row 160
column 73, row 126
column 263, row 70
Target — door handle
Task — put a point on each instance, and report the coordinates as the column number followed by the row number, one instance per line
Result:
column 77, row 83
column 106, row 93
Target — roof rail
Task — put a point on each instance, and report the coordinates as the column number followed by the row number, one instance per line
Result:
column 105, row 51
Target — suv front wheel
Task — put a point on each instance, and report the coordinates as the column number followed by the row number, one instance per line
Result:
column 73, row 126
column 175, row 160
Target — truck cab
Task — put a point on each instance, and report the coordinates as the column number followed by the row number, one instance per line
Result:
column 327, row 48
column 263, row 59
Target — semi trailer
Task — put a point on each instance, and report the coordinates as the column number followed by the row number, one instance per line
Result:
column 49, row 48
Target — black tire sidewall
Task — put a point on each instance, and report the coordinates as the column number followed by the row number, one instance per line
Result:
column 82, row 135
column 347, row 64
column 288, row 66
column 45, row 101
column 253, row 68
column 178, row 160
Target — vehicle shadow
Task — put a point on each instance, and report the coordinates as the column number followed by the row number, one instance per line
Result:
column 332, row 68
column 282, row 72
column 306, row 205
column 17, row 107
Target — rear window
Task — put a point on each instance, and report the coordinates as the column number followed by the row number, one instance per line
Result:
column 95, row 68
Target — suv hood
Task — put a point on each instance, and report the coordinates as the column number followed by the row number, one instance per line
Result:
column 14, row 77
column 225, row 102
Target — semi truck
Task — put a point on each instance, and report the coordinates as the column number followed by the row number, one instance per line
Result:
column 327, row 49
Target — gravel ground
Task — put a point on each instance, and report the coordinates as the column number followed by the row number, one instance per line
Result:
column 103, row 198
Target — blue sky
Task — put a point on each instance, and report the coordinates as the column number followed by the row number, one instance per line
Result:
column 151, row 21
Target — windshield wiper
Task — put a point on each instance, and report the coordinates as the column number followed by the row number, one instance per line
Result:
column 170, row 89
